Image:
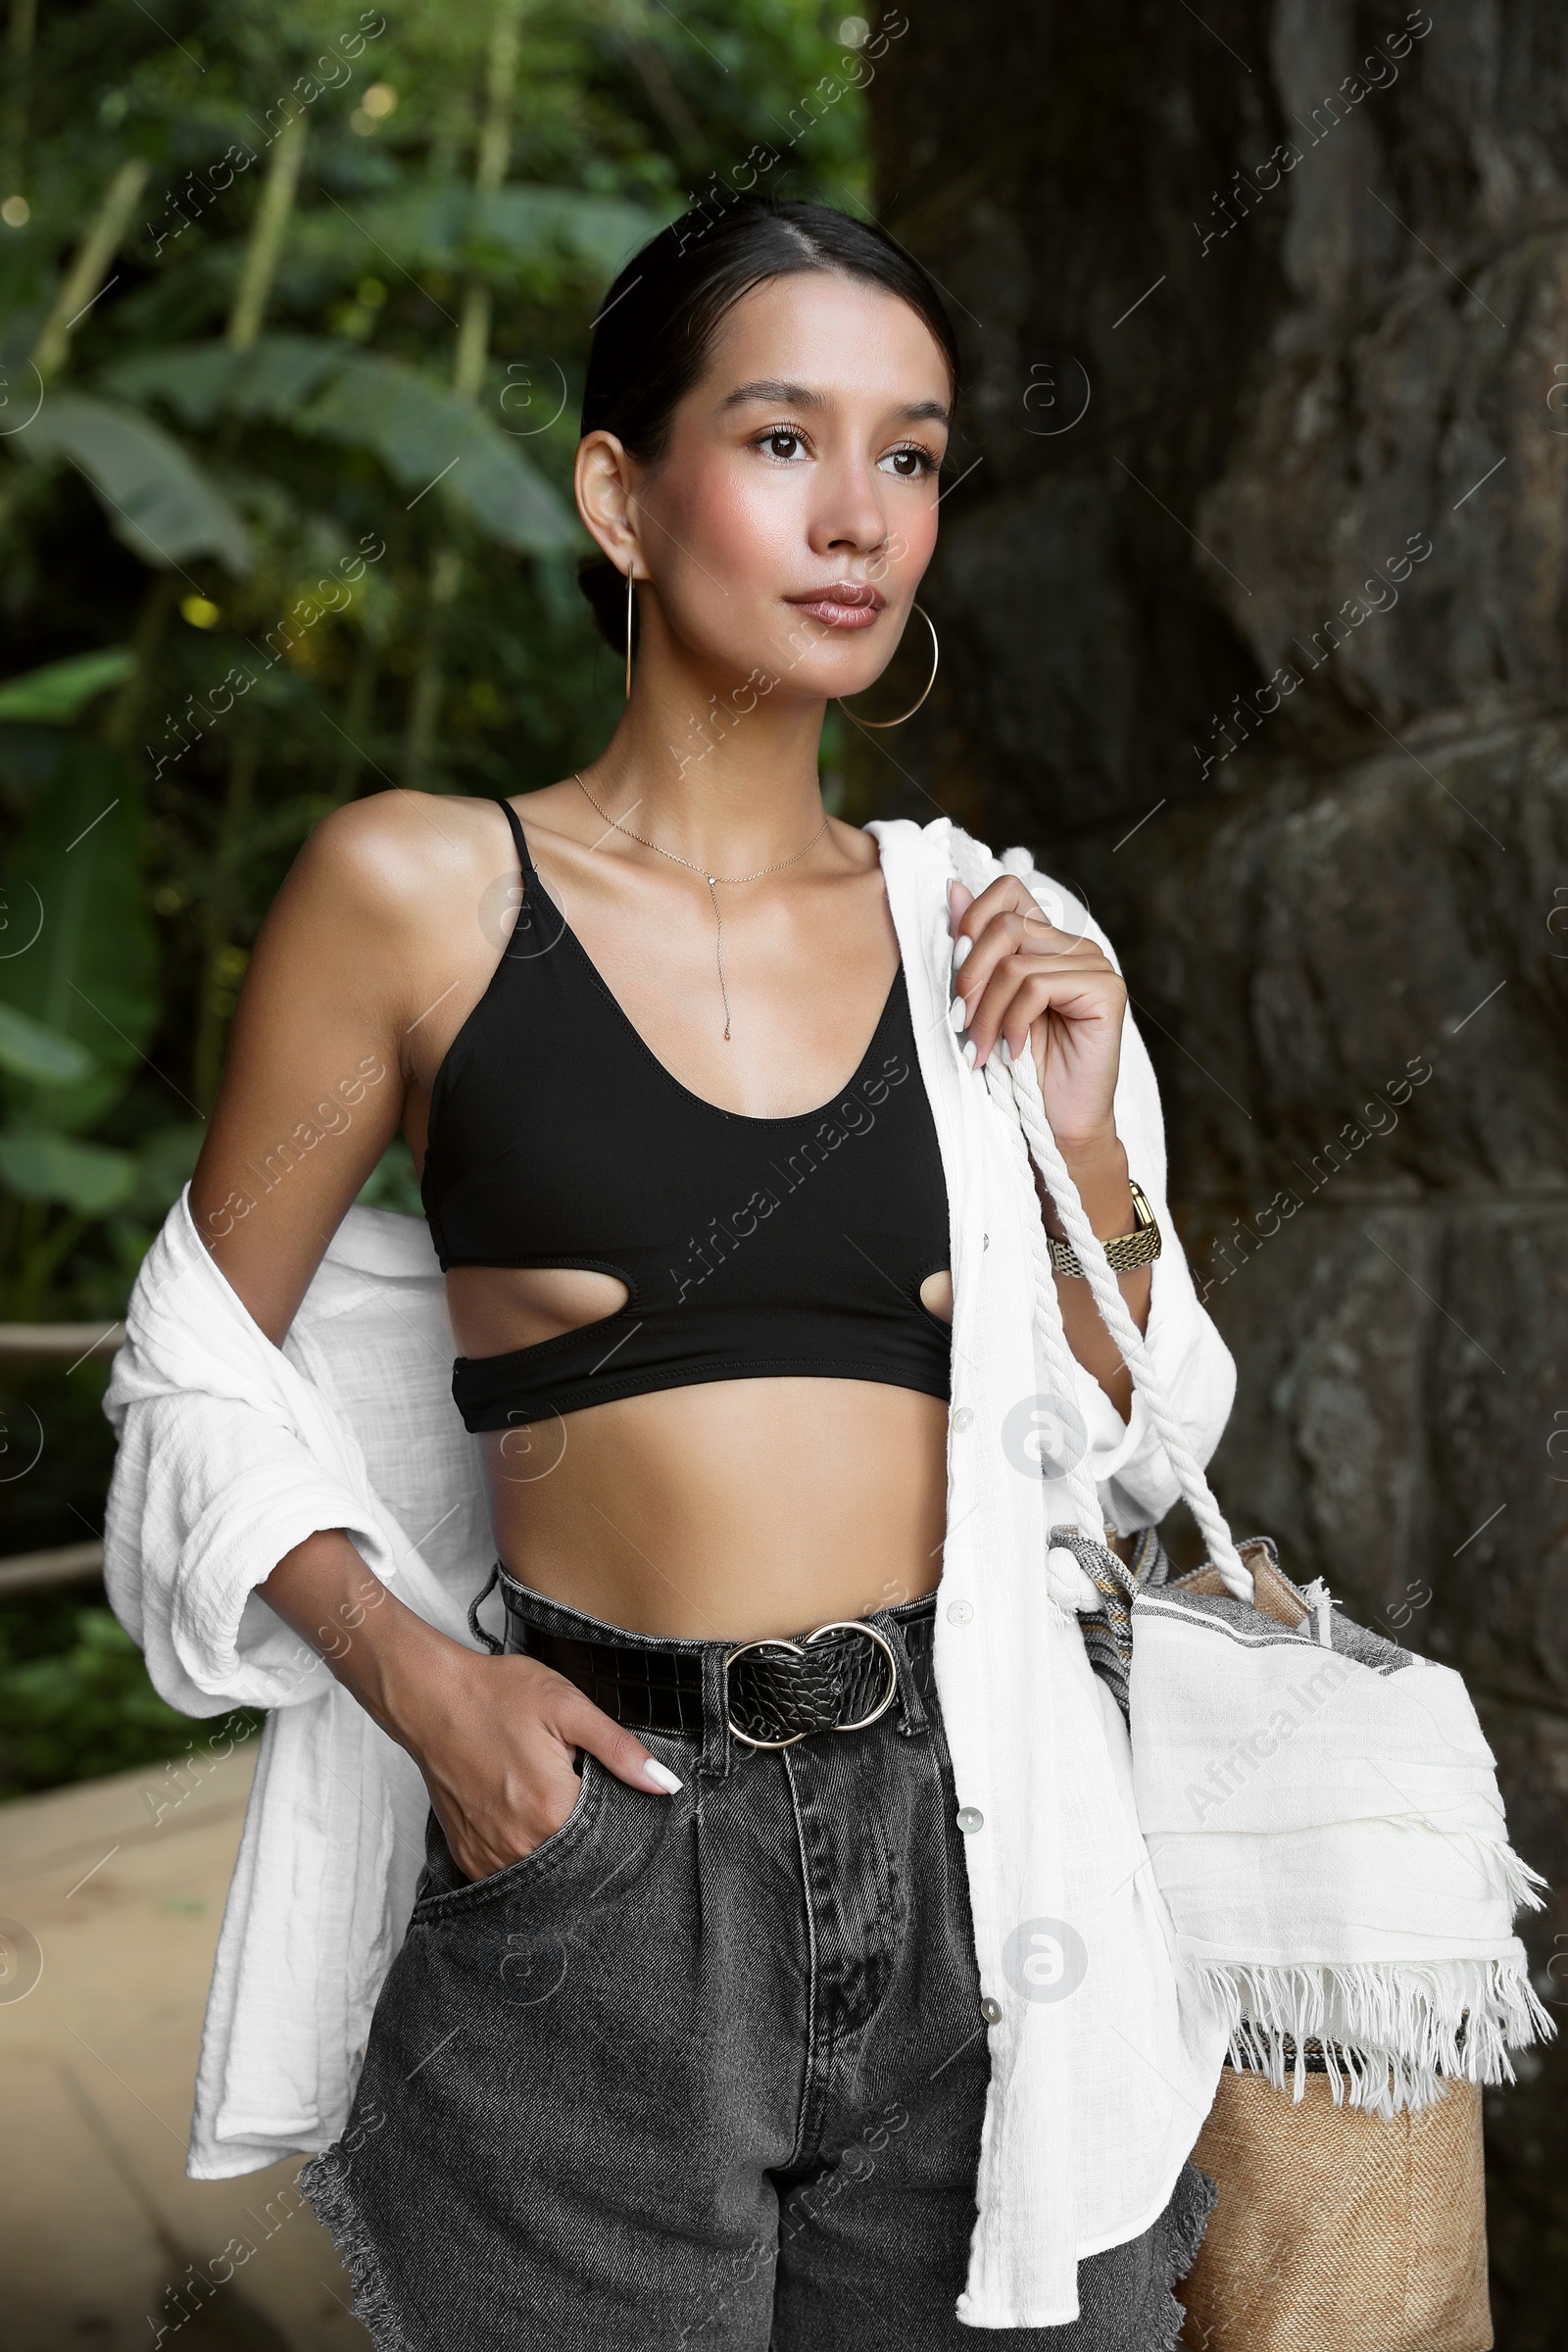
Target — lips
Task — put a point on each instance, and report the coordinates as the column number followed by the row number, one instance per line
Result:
column 842, row 605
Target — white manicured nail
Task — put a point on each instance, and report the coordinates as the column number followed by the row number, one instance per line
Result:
column 1006, row 1051
column 961, row 952
column 662, row 1775
column 959, row 1014
column 969, row 1052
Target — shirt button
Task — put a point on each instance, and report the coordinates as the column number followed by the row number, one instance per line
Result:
column 990, row 2010
column 970, row 1819
column 959, row 1612
column 962, row 1416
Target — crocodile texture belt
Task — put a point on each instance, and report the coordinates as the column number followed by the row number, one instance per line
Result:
column 840, row 1677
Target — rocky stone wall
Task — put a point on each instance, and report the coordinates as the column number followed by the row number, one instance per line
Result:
column 1253, row 609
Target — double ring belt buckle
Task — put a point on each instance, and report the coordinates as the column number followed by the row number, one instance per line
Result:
column 834, row 1625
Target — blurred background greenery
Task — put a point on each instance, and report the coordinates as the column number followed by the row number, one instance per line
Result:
column 294, row 304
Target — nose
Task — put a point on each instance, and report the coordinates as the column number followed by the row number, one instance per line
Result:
column 847, row 515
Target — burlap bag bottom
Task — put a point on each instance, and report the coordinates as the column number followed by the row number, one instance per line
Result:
column 1336, row 2231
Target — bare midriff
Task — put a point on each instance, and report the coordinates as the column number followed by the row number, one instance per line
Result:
column 724, row 1510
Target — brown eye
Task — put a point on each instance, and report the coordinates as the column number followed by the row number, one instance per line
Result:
column 781, row 444
column 911, row 463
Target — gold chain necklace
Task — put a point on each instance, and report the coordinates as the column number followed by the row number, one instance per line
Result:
column 712, row 880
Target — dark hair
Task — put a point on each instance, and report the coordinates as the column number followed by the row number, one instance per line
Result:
column 660, row 317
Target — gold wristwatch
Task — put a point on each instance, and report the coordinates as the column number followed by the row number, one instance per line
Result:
column 1140, row 1247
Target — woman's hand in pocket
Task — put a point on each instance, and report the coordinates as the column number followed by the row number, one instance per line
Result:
column 494, row 1738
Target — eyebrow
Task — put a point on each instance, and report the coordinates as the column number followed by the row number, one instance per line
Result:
column 776, row 391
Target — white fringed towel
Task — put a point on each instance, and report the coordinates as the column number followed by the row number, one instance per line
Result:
column 1329, row 1837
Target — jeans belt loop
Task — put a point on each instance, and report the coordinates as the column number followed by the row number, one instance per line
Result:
column 720, row 1750
column 912, row 1718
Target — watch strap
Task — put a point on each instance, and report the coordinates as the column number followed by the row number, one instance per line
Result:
column 1123, row 1254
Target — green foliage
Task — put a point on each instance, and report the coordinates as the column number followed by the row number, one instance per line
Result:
column 392, row 1183
column 522, row 236
column 27, row 1050
column 60, row 692
column 49, row 1167
column 86, row 1707
column 419, row 431
column 155, row 497
column 91, row 975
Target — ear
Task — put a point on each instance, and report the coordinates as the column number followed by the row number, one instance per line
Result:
column 606, row 493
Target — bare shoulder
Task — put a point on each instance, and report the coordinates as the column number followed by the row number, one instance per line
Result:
column 403, row 856
column 384, row 891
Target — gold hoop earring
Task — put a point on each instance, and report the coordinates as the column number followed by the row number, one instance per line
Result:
column 924, row 691
column 628, row 636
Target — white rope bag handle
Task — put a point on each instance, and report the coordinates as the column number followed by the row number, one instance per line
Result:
column 1017, row 1091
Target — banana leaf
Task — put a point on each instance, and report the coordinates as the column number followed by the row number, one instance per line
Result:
column 91, row 975
column 27, row 1050
column 59, row 693
column 86, row 1177
column 501, row 234
column 421, row 433
column 203, row 381
column 158, row 499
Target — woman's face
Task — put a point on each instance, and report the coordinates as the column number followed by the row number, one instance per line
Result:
column 804, row 461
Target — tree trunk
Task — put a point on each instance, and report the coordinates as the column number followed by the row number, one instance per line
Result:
column 1252, row 627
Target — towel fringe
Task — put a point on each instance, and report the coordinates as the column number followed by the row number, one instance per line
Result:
column 1393, row 2034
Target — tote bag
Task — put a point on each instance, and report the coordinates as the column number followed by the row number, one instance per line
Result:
column 1324, row 1827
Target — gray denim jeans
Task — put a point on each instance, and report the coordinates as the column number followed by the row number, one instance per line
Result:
column 702, row 2073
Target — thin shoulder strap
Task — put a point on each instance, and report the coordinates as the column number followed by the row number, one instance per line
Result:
column 521, row 842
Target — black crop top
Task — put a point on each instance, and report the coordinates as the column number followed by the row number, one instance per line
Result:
column 749, row 1248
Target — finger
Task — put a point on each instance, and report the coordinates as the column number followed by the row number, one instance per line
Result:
column 960, row 901
column 580, row 1724
column 1000, row 897
column 1008, row 937
column 976, row 957
column 1005, row 911
column 1021, row 990
column 997, row 956
column 1007, row 894
column 1045, row 937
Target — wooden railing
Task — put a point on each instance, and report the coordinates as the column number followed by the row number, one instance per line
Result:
column 53, row 1342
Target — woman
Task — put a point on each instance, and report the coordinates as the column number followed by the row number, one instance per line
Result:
column 687, row 2043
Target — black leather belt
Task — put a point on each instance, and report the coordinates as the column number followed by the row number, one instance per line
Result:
column 840, row 1677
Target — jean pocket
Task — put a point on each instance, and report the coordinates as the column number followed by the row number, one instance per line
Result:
column 446, row 1891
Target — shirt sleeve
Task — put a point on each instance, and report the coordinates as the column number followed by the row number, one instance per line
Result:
column 232, row 1452
column 1195, row 1369
column 208, row 1495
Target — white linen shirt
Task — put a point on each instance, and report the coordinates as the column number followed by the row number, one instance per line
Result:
column 1105, row 2057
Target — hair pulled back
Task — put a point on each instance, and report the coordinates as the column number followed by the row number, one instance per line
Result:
column 658, row 321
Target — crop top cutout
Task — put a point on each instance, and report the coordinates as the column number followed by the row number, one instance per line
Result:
column 749, row 1248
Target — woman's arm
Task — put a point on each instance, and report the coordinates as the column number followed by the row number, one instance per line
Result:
column 375, row 927
column 315, row 1082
